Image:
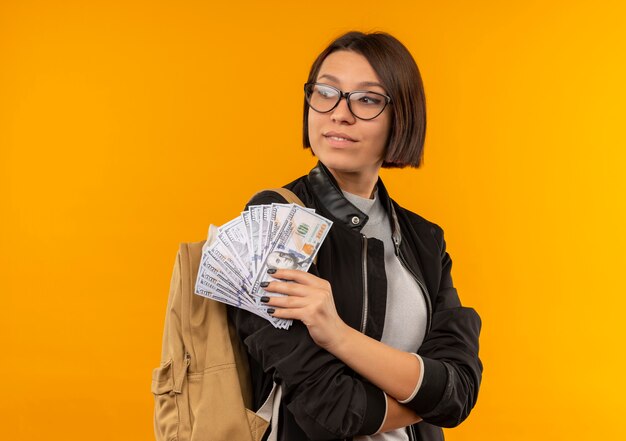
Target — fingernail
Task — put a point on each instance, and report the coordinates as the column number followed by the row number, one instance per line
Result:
column 270, row 310
column 271, row 271
column 264, row 284
column 265, row 299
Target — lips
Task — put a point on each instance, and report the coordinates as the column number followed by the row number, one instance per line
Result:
column 338, row 136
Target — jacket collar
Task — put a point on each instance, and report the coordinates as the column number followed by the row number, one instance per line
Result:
column 330, row 195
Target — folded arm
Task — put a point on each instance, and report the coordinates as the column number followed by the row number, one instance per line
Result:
column 440, row 384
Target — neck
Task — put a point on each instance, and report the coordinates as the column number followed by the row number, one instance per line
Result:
column 358, row 183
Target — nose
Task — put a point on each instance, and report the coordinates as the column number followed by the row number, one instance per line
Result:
column 342, row 112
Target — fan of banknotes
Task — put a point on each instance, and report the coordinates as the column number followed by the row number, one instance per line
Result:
column 237, row 255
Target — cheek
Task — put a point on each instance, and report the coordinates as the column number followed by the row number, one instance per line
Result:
column 385, row 131
column 313, row 121
column 380, row 134
column 313, row 128
column 387, row 123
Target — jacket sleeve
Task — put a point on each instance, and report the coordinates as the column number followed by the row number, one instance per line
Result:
column 327, row 400
column 452, row 368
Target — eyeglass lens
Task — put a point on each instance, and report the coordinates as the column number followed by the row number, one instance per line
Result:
column 364, row 105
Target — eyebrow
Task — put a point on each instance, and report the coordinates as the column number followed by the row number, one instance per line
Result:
column 361, row 84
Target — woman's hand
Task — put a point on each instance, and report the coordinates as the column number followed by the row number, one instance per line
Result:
column 309, row 299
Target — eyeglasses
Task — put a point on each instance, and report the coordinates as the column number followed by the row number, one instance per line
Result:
column 362, row 104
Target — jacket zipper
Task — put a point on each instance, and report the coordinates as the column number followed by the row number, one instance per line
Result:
column 411, row 430
column 364, row 272
column 429, row 307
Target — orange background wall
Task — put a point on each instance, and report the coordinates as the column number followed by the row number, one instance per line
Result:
column 121, row 120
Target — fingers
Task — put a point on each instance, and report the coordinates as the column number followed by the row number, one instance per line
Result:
column 298, row 301
column 302, row 294
column 301, row 277
column 288, row 288
column 287, row 302
column 292, row 289
column 288, row 313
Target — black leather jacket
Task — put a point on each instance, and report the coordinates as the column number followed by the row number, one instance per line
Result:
column 323, row 399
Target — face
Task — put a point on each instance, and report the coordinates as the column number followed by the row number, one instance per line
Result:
column 281, row 261
column 342, row 142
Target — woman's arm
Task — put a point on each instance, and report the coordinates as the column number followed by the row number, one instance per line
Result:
column 452, row 369
column 398, row 416
column 394, row 371
column 310, row 300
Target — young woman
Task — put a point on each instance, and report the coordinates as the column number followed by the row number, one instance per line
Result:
column 380, row 348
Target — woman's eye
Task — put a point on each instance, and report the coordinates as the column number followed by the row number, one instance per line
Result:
column 326, row 93
column 370, row 100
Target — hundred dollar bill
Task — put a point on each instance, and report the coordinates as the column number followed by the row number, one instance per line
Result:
column 266, row 225
column 213, row 288
column 255, row 226
column 278, row 216
column 236, row 256
column 272, row 217
column 209, row 286
column 212, row 273
column 230, row 253
column 233, row 234
column 219, row 253
column 214, row 276
column 297, row 242
column 245, row 215
column 217, row 283
column 262, row 221
column 225, row 259
column 301, row 237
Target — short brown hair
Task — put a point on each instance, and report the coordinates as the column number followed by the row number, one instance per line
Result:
column 401, row 79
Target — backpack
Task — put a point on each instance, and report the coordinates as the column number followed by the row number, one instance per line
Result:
column 202, row 388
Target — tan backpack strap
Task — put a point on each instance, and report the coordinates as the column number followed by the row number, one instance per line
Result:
column 289, row 195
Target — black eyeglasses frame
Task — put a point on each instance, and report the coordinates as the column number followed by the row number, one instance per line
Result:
column 346, row 95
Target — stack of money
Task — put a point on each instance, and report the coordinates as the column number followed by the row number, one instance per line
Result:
column 236, row 257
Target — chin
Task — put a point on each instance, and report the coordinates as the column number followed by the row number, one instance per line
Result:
column 338, row 162
column 344, row 166
column 345, row 161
